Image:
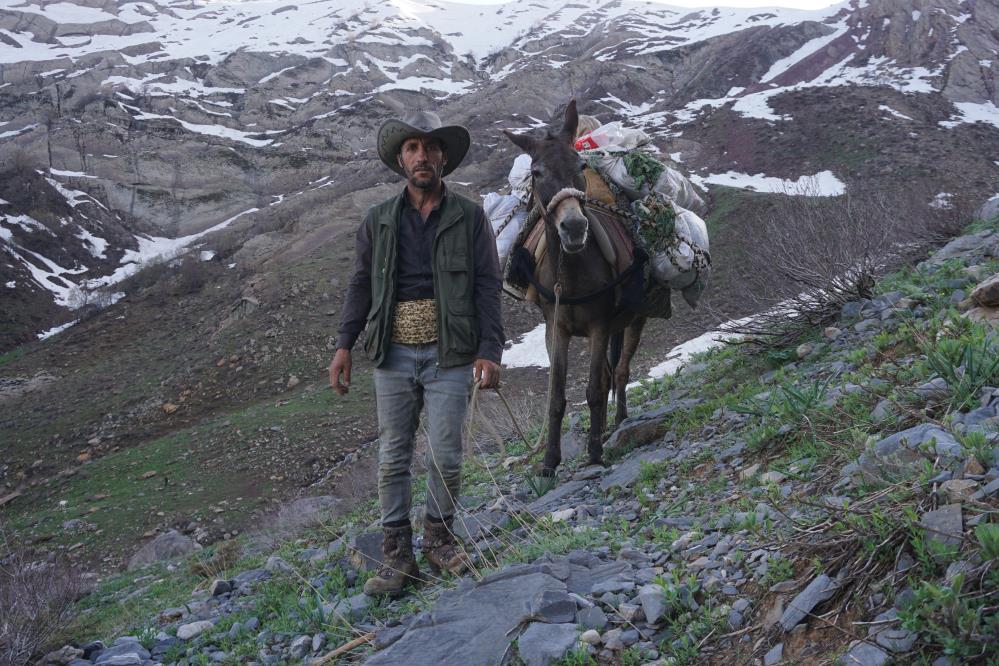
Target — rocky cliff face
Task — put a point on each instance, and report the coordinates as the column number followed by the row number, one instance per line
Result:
column 179, row 117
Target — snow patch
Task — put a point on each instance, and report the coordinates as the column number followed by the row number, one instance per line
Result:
column 973, row 112
column 822, row 184
column 530, row 351
column 55, row 330
column 893, row 112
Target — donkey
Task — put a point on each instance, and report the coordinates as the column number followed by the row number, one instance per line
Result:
column 575, row 268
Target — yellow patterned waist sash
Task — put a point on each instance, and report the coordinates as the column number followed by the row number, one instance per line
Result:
column 415, row 322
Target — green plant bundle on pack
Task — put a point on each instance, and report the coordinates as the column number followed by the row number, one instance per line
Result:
column 657, row 228
column 644, row 168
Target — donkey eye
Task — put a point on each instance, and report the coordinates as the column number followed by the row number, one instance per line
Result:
column 536, row 173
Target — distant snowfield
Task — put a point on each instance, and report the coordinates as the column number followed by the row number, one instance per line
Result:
column 822, row 184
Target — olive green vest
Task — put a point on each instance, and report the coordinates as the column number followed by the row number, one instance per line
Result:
column 454, row 280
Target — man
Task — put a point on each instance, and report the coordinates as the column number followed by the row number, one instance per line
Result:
column 427, row 285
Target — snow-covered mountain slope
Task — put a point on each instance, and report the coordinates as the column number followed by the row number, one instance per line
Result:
column 182, row 116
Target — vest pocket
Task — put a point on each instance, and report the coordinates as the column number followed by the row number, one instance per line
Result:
column 461, row 325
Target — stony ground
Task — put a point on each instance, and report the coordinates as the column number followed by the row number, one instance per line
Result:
column 831, row 502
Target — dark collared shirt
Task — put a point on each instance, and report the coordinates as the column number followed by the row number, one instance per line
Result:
column 415, row 278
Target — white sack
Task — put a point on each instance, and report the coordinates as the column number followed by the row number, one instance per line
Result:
column 613, row 136
column 678, row 267
column 497, row 207
column 671, row 183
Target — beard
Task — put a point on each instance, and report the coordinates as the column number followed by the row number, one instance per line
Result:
column 424, row 180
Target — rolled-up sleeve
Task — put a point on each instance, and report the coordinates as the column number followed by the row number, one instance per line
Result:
column 357, row 304
column 488, row 289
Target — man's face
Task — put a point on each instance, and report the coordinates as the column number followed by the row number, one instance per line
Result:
column 422, row 160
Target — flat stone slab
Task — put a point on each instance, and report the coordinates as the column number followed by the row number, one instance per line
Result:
column 474, row 625
column 556, row 498
column 475, row 526
column 630, row 468
column 821, row 588
column 945, row 525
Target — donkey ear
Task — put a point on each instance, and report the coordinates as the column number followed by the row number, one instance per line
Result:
column 571, row 120
column 522, row 141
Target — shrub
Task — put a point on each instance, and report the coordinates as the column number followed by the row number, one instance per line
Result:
column 36, row 602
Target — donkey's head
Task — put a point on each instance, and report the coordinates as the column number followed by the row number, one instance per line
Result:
column 556, row 169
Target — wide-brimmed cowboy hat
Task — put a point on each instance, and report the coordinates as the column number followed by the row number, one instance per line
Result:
column 394, row 132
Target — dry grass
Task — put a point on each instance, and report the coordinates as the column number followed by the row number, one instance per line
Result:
column 813, row 254
column 36, row 602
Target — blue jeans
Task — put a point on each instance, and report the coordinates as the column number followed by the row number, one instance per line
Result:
column 407, row 379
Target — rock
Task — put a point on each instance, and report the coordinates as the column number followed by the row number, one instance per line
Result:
column 293, row 381
column 612, row 640
column 170, row 408
column 250, row 576
column 821, row 588
column 831, row 333
column 592, row 618
column 563, row 515
column 865, row 654
column 470, row 625
column 639, row 430
column 981, row 315
column 126, row 654
column 167, row 546
column 803, row 350
column 944, row 525
column 735, row 620
column 277, row 564
column 590, row 637
column 366, row 550
column 958, row 490
column 882, row 411
column 772, row 477
column 554, row 607
column 472, row 527
column 896, row 640
column 541, row 644
column 627, row 472
column 219, row 587
column 186, row 632
column 630, row 613
column 905, row 446
column 355, row 607
column 973, row 467
column 300, row 647
column 63, row 655
column 774, row 655
column 986, row 294
column 749, row 472
column 653, row 600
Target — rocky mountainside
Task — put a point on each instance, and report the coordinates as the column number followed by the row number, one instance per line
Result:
column 832, row 502
column 226, row 150
column 181, row 117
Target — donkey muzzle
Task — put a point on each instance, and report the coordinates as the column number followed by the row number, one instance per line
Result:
column 572, row 233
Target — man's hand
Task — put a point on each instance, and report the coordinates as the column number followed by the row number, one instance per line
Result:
column 340, row 365
column 488, row 372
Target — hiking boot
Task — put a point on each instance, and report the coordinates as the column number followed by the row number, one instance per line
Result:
column 399, row 567
column 442, row 550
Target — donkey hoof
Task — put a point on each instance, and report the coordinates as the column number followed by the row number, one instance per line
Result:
column 597, row 461
column 548, row 472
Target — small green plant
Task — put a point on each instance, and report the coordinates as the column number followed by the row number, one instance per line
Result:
column 958, row 623
column 779, row 569
column 977, row 444
column 540, row 484
column 147, row 637
column 988, row 539
column 578, row 657
column 966, row 363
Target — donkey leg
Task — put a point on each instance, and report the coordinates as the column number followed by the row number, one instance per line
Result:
column 622, row 373
column 596, row 395
column 558, row 358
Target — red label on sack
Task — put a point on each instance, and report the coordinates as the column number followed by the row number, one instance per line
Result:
column 585, row 142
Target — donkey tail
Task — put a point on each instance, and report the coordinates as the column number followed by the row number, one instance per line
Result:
column 613, row 357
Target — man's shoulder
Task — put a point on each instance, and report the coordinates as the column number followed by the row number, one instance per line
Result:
column 468, row 205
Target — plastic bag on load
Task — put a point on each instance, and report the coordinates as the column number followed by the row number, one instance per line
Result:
column 612, row 136
column 679, row 267
column 498, row 208
column 671, row 183
column 520, row 173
